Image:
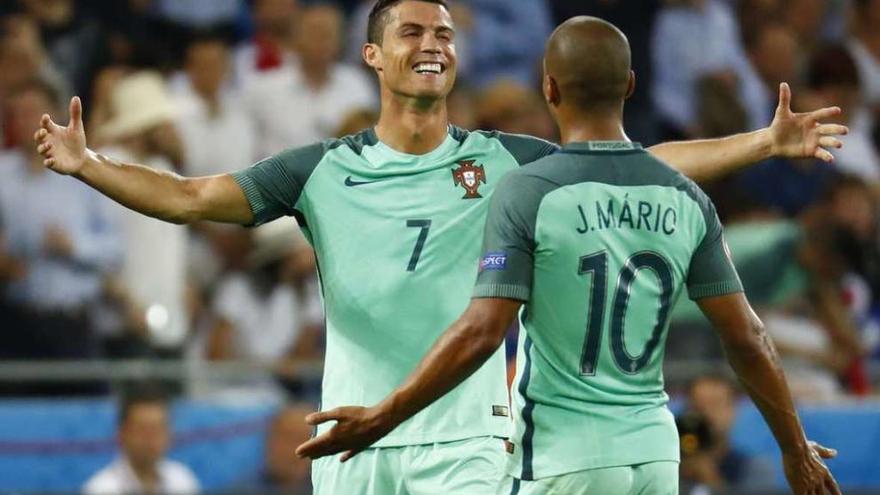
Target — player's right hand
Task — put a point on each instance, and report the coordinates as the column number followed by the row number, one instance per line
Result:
column 807, row 474
column 63, row 148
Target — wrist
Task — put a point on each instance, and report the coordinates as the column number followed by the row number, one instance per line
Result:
column 89, row 162
column 796, row 449
column 389, row 413
column 764, row 144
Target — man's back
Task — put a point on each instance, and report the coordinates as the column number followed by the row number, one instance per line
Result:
column 613, row 235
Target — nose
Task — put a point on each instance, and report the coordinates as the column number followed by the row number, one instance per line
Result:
column 430, row 44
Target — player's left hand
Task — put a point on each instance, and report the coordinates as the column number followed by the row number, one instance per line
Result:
column 804, row 135
column 356, row 429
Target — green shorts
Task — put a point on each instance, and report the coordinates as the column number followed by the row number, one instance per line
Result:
column 654, row 478
column 473, row 467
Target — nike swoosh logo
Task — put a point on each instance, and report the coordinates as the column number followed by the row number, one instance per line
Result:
column 354, row 183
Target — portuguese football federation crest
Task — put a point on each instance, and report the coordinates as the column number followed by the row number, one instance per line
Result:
column 470, row 177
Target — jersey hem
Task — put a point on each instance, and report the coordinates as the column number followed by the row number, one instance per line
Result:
column 507, row 291
column 428, row 439
column 252, row 193
column 715, row 289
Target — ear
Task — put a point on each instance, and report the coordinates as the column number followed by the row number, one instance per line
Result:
column 631, row 85
column 372, row 55
column 551, row 91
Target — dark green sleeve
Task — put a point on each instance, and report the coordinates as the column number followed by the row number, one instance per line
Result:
column 711, row 271
column 507, row 260
column 273, row 185
column 525, row 149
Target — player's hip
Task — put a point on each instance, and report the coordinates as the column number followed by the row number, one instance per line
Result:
column 653, row 478
column 472, row 466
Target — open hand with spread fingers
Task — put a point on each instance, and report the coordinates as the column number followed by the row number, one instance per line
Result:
column 804, row 135
column 63, row 148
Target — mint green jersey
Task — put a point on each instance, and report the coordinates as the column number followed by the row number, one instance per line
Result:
column 397, row 240
column 598, row 240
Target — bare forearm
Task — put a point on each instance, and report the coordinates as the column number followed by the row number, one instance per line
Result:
column 757, row 366
column 159, row 194
column 709, row 159
column 166, row 195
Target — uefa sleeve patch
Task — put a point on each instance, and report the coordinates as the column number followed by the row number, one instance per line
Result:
column 494, row 262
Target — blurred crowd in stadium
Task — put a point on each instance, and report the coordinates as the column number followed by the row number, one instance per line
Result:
column 210, row 86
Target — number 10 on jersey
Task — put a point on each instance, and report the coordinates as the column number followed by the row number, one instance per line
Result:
column 596, row 265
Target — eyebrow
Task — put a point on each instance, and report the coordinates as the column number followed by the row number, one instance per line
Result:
column 410, row 25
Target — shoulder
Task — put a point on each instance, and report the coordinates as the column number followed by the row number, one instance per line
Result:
column 525, row 149
column 180, row 476
column 103, row 482
column 354, row 142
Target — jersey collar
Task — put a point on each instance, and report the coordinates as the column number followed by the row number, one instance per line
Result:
column 602, row 147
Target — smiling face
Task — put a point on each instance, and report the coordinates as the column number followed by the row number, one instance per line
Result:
column 416, row 57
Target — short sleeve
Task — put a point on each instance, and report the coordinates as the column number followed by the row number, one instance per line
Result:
column 507, row 260
column 525, row 149
column 273, row 185
column 711, row 271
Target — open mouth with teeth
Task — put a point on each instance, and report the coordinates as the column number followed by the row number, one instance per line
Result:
column 429, row 68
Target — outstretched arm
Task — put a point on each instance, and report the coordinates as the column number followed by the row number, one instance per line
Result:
column 751, row 354
column 790, row 135
column 163, row 195
column 457, row 354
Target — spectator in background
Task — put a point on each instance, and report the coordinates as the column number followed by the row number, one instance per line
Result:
column 773, row 53
column 509, row 106
column 691, row 39
column 268, row 314
column 274, row 22
column 153, row 276
column 144, row 437
column 284, row 472
column 75, row 42
column 714, row 398
column 864, row 46
column 201, row 14
column 507, row 40
column 22, row 60
column 216, row 130
column 316, row 94
column 62, row 241
column 212, row 123
column 834, row 77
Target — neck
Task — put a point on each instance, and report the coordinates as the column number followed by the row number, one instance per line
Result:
column 148, row 476
column 410, row 125
column 580, row 128
column 316, row 75
column 212, row 101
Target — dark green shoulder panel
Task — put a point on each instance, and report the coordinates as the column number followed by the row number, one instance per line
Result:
column 356, row 142
column 273, row 185
column 525, row 149
column 620, row 168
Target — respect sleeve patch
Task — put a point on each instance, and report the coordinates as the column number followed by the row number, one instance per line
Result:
column 494, row 262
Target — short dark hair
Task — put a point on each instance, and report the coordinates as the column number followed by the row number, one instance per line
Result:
column 379, row 17
column 137, row 395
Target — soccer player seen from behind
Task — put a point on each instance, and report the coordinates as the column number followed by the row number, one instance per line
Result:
column 395, row 215
column 596, row 243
